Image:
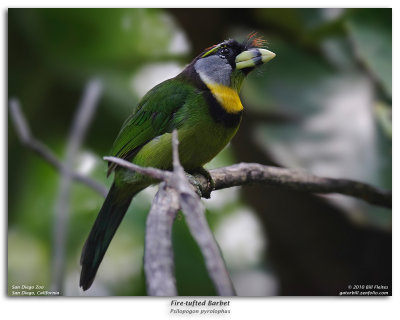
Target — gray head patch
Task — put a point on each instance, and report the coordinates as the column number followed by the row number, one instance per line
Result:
column 214, row 69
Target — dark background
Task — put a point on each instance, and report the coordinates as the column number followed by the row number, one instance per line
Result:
column 322, row 105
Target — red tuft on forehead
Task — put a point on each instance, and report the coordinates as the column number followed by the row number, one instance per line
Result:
column 254, row 41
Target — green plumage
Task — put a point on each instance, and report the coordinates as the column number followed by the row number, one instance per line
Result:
column 171, row 104
column 145, row 139
column 155, row 115
column 204, row 129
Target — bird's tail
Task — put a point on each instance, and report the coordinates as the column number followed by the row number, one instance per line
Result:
column 103, row 230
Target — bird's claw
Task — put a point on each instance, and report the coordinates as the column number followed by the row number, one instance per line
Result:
column 205, row 192
column 195, row 183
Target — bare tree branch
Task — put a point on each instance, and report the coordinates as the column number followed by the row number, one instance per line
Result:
column 251, row 173
column 254, row 173
column 158, row 253
column 28, row 140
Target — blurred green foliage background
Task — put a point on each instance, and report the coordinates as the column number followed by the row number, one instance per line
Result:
column 323, row 105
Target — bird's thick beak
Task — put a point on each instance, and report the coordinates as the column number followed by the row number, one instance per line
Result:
column 253, row 57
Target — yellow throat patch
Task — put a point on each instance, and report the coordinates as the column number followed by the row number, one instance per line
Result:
column 227, row 97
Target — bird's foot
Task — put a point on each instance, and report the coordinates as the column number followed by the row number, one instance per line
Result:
column 195, row 183
column 210, row 184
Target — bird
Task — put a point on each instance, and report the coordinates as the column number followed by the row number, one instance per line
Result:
column 202, row 103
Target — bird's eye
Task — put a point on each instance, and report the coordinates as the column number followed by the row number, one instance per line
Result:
column 224, row 52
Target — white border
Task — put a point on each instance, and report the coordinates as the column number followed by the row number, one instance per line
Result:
column 157, row 308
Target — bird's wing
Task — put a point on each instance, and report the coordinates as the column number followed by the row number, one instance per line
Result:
column 155, row 115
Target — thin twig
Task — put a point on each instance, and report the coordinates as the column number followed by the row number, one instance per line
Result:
column 151, row 172
column 176, row 163
column 82, row 119
column 28, row 140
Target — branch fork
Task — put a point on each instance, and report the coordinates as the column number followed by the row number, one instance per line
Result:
column 176, row 192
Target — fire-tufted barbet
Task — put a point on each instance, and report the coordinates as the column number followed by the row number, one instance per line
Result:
column 203, row 104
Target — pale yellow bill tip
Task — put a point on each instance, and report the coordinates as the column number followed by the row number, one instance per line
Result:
column 253, row 57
